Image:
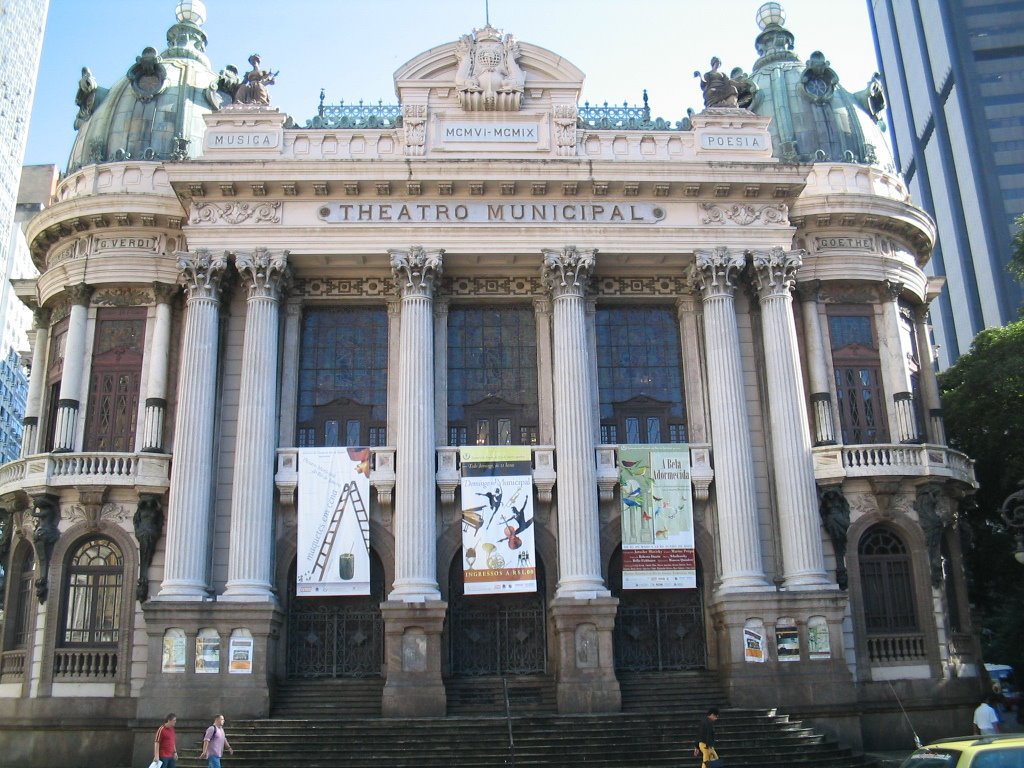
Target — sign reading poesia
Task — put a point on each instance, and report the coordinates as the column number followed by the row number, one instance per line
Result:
column 491, row 213
column 657, row 517
column 333, row 522
column 498, row 554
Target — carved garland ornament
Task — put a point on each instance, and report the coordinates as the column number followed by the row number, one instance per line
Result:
column 236, row 213
column 744, row 215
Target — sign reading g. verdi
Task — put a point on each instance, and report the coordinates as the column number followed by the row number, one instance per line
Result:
column 490, row 213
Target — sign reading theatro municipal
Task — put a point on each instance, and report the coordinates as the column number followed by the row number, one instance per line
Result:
column 482, row 384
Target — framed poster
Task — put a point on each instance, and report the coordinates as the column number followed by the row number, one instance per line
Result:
column 818, row 644
column 753, row 645
column 787, row 640
column 207, row 652
column 240, row 652
column 172, row 659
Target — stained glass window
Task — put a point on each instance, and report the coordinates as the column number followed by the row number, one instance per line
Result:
column 343, row 377
column 92, row 608
column 492, row 375
column 640, row 375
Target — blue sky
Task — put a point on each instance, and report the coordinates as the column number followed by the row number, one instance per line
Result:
column 352, row 48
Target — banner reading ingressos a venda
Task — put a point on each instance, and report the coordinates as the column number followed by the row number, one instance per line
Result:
column 498, row 555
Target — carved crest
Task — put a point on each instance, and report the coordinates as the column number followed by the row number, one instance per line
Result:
column 488, row 78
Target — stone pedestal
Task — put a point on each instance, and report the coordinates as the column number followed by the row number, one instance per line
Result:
column 412, row 657
column 585, row 673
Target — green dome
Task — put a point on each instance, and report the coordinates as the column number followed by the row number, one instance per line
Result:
column 155, row 112
column 814, row 119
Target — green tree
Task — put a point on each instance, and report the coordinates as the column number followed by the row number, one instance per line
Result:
column 1017, row 255
column 983, row 406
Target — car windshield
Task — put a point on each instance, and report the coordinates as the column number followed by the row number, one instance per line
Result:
column 1011, row 757
column 932, row 757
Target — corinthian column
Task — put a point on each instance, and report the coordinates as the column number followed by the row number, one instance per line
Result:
column 264, row 274
column 715, row 274
column 71, row 374
column 796, row 495
column 190, row 506
column 159, row 355
column 566, row 274
column 30, row 423
column 416, row 272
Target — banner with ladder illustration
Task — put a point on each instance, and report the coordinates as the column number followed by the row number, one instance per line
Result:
column 498, row 555
column 333, row 522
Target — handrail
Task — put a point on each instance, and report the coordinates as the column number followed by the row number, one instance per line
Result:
column 508, row 721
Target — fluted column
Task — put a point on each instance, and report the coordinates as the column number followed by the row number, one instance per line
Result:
column 566, row 274
column 904, row 428
column 37, row 377
column 821, row 397
column 264, row 274
column 440, row 309
column 64, row 434
column 416, row 273
column 190, row 506
column 159, row 356
column 290, row 372
column 693, row 373
column 929, row 385
column 796, row 495
column 715, row 274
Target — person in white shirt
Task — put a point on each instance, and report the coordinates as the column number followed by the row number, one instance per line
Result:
column 986, row 719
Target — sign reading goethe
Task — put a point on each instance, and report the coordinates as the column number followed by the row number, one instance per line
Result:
column 491, row 213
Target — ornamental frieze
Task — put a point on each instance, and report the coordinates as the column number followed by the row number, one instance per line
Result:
column 744, row 215
column 236, row 213
column 123, row 297
column 492, row 286
column 317, row 288
column 642, row 286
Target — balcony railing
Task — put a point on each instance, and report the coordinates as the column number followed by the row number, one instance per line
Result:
column 149, row 471
column 85, row 664
column 837, row 462
column 903, row 648
column 12, row 666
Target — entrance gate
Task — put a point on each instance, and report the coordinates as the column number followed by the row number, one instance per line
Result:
column 495, row 634
column 658, row 630
column 332, row 637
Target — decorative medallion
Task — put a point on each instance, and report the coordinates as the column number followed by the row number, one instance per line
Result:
column 148, row 75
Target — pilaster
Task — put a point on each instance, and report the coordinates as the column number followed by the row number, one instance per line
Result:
column 585, row 677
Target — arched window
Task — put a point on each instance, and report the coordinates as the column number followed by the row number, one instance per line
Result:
column 22, row 612
column 93, row 592
column 887, row 585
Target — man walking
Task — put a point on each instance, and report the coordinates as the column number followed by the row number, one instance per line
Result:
column 214, row 742
column 705, row 748
column 986, row 719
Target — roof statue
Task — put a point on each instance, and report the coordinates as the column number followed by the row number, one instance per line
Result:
column 746, row 88
column 253, row 89
column 719, row 89
column 85, row 98
column 221, row 91
column 488, row 77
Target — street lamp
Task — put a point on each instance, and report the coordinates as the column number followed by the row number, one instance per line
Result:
column 1012, row 512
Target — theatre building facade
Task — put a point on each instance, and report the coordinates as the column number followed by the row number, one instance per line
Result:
column 485, row 384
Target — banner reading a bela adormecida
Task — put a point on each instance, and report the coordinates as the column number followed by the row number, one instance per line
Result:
column 333, row 522
column 498, row 555
column 657, row 517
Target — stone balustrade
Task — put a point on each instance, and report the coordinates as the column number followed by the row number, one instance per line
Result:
column 85, row 664
column 897, row 648
column 834, row 463
column 148, row 472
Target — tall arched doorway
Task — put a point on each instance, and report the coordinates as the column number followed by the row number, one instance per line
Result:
column 335, row 637
column 657, row 630
column 495, row 634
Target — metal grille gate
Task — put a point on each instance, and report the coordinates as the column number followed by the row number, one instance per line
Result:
column 335, row 642
column 655, row 636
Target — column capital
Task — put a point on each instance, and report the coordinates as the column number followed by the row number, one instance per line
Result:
column 809, row 291
column 202, row 273
column 893, row 289
column 775, row 271
column 79, row 295
column 541, row 305
column 164, row 293
column 41, row 316
column 716, row 271
column 264, row 272
column 567, row 272
column 394, row 308
column 417, row 270
column 441, row 305
column 293, row 306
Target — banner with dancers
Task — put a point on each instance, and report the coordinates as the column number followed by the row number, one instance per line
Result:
column 657, row 517
column 333, row 522
column 498, row 555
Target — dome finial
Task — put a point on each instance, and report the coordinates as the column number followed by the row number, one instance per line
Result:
column 771, row 14
column 191, row 11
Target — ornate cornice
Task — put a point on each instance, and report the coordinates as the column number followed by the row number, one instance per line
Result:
column 567, row 272
column 416, row 270
column 202, row 273
column 265, row 273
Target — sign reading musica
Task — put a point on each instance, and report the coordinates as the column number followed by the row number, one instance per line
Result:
column 491, row 213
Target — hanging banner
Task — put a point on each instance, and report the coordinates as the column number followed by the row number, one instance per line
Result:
column 498, row 554
column 657, row 518
column 333, row 522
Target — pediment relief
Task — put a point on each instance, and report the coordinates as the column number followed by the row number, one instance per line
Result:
column 487, row 70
